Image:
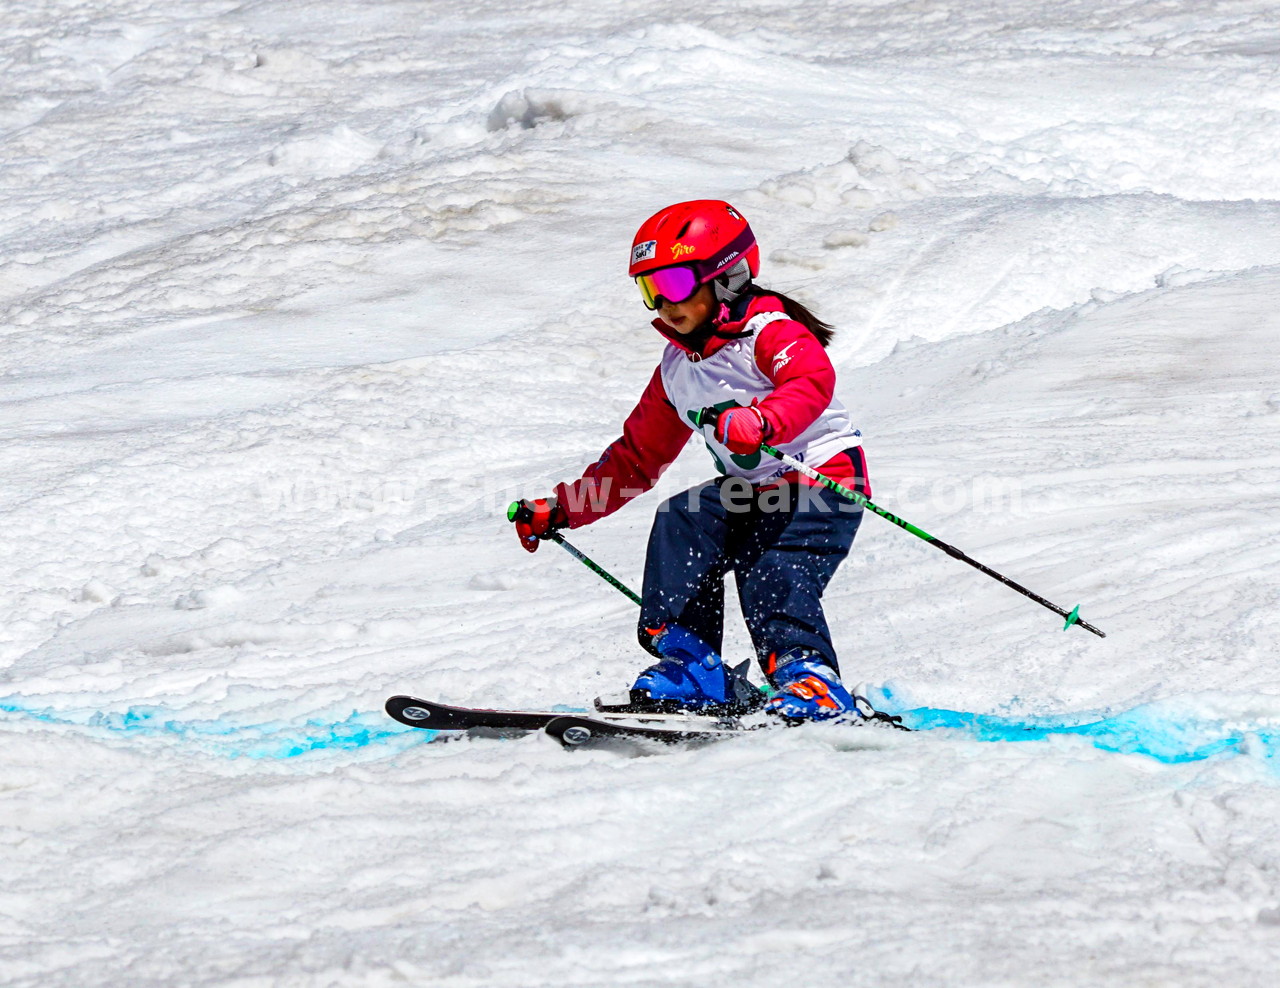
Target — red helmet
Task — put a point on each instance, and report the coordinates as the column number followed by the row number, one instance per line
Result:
column 706, row 236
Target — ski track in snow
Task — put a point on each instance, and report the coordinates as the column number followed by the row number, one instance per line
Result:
column 294, row 297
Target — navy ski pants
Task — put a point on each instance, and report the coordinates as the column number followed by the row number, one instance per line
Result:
column 782, row 544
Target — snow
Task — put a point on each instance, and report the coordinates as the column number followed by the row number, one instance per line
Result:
column 295, row 297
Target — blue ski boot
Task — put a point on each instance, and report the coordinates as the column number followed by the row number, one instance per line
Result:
column 809, row 689
column 691, row 677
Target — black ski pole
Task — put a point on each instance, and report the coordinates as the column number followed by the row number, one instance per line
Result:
column 1073, row 616
column 518, row 512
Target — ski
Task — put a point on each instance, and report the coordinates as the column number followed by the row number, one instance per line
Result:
column 413, row 711
column 576, row 730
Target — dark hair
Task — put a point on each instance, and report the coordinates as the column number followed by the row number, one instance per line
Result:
column 800, row 312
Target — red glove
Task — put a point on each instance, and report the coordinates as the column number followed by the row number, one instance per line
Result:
column 536, row 520
column 743, row 429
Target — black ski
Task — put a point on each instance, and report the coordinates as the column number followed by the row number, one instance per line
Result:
column 414, row 711
column 576, row 730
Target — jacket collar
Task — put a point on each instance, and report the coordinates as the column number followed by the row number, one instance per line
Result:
column 725, row 329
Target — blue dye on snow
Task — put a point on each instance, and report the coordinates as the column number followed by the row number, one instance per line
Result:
column 1169, row 732
column 270, row 739
column 1151, row 730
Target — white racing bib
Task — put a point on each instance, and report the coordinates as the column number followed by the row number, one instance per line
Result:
column 730, row 377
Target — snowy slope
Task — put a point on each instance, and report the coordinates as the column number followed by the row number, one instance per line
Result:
column 294, row 297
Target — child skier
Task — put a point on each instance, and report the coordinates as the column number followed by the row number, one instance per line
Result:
column 743, row 366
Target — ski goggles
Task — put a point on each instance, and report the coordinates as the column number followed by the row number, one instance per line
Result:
column 675, row 285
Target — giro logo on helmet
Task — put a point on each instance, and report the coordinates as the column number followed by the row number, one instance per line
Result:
column 679, row 250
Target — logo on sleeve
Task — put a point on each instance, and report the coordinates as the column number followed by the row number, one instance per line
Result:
column 646, row 251
column 783, row 358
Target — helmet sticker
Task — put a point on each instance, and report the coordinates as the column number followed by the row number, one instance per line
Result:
column 644, row 252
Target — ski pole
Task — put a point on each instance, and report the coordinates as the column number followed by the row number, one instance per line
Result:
column 515, row 513
column 1073, row 617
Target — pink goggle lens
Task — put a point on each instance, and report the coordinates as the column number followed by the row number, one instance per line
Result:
column 673, row 284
